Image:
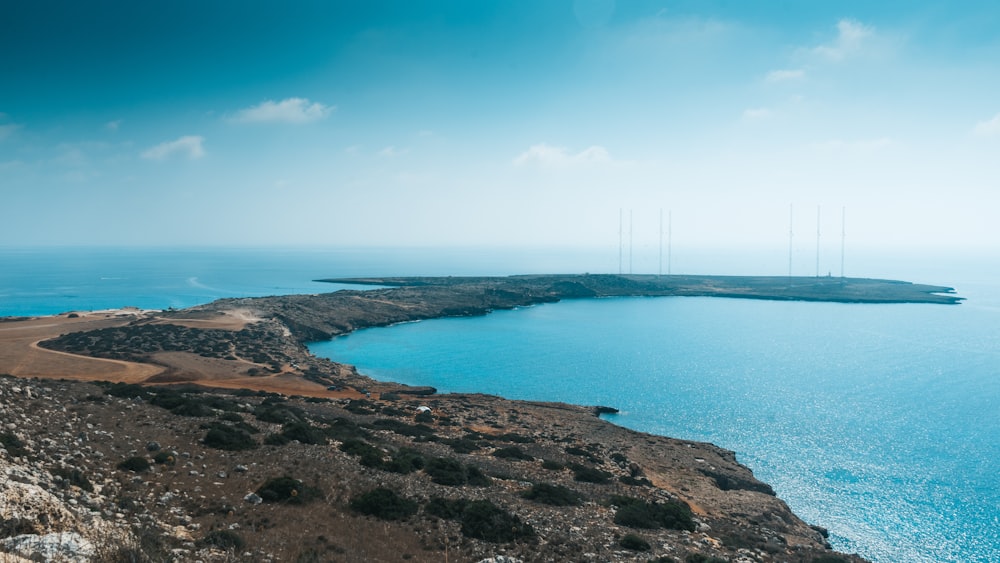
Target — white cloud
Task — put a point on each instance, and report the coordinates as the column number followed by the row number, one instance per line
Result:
column 559, row 157
column 189, row 145
column 753, row 114
column 784, row 75
column 391, row 151
column 851, row 37
column 113, row 125
column 988, row 127
column 8, row 130
column 290, row 110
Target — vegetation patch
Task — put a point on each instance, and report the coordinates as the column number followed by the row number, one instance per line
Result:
column 483, row 520
column 225, row 437
column 72, row 476
column 136, row 464
column 13, row 445
column 449, row 509
column 405, row 460
column 223, row 539
column 512, row 452
column 384, row 504
column 287, row 490
column 369, row 454
column 636, row 513
column 634, row 543
column 586, row 474
column 402, row 428
column 303, row 432
column 553, row 495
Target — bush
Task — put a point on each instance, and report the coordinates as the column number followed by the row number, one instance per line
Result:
column 701, row 558
column 223, row 539
column 126, row 391
column 446, row 471
column 446, row 508
column 13, row 445
column 404, row 461
column 476, row 478
column 223, row 437
column 304, row 433
column 634, row 542
column 591, row 475
column 384, row 504
column 73, row 476
column 462, row 445
column 552, row 465
column 635, row 513
column 553, row 495
column 512, row 452
column 481, row 519
column 164, row 458
column 135, row 464
column 370, row 455
column 286, row 489
column 276, row 440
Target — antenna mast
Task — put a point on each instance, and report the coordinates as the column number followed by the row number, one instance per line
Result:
column 629, row 241
column 670, row 240
column 659, row 272
column 843, row 236
column 620, row 243
column 817, row 240
column 790, row 215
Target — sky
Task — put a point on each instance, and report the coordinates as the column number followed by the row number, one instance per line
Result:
column 501, row 122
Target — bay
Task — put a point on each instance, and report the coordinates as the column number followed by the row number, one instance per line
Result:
column 877, row 422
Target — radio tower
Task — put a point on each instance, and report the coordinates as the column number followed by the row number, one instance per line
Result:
column 790, row 215
column 843, row 237
column 817, row 240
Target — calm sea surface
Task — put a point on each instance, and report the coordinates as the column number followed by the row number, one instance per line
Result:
column 879, row 422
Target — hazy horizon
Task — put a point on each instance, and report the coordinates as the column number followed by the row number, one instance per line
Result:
column 527, row 124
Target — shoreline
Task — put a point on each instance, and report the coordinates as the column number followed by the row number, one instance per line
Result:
column 260, row 343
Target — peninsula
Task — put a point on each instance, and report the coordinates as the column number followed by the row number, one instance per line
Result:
column 213, row 431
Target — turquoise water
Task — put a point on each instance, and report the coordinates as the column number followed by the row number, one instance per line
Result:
column 877, row 422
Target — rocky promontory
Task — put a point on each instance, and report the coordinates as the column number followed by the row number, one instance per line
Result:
column 224, row 439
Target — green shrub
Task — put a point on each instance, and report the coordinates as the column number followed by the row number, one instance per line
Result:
column 702, row 558
column 223, row 437
column 446, row 508
column 591, row 475
column 304, row 433
column 384, row 504
column 278, row 414
column 73, row 476
column 370, row 455
column 342, row 429
column 127, row 391
column 164, row 458
column 634, row 543
column 516, row 438
column 476, row 478
column 552, row 465
column 223, row 539
column 405, row 460
column 553, row 495
column 402, row 428
column 276, row 440
column 446, row 471
column 135, row 464
column 13, row 445
column 462, row 445
column 481, row 519
column 230, row 417
column 286, row 489
column 635, row 513
column 512, row 452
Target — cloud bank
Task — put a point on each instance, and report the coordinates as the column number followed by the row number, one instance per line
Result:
column 189, row 146
column 989, row 127
column 289, row 110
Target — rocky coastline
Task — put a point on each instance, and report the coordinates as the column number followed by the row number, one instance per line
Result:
column 235, row 443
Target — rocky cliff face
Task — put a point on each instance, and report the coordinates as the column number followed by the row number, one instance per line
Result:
column 126, row 473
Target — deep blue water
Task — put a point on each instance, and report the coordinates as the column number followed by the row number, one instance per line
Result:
column 878, row 422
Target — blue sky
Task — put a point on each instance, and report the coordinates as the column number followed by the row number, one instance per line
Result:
column 499, row 122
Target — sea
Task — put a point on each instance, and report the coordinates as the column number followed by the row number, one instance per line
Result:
column 877, row 422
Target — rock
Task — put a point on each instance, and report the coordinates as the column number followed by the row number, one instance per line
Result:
column 152, row 446
column 70, row 547
column 253, row 498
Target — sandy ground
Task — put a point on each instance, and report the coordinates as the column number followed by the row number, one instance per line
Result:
column 21, row 356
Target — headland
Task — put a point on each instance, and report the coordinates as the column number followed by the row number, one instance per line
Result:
column 232, row 385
